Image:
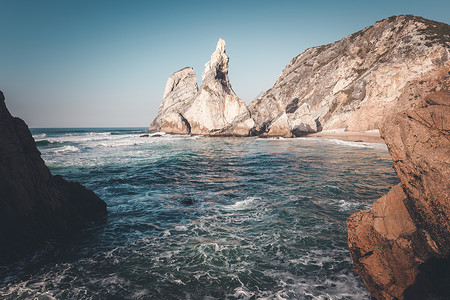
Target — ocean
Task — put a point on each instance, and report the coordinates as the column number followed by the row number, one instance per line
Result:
column 194, row 217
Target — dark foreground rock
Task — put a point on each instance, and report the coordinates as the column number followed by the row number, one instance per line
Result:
column 35, row 206
column 401, row 247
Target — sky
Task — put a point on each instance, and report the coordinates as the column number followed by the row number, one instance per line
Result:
column 87, row 63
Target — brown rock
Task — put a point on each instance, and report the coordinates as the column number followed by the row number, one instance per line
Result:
column 34, row 205
column 380, row 245
column 280, row 127
column 401, row 248
column 419, row 144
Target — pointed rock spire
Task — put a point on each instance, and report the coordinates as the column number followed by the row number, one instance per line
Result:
column 213, row 110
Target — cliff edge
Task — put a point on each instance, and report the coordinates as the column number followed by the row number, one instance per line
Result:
column 35, row 205
column 401, row 247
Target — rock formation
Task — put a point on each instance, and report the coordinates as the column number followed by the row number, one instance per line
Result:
column 401, row 247
column 213, row 109
column 181, row 88
column 34, row 205
column 353, row 83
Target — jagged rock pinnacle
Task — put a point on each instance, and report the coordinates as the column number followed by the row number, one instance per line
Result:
column 216, row 70
column 212, row 110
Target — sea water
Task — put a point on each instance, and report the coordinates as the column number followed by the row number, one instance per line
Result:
column 193, row 217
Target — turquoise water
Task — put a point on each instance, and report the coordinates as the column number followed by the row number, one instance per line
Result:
column 205, row 218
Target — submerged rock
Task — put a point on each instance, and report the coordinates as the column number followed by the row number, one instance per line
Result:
column 401, row 247
column 35, row 205
column 213, row 109
column 353, row 83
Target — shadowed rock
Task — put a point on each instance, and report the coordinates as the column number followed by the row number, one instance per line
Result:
column 34, row 205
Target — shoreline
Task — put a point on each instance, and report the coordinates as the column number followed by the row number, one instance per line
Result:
column 365, row 137
column 356, row 136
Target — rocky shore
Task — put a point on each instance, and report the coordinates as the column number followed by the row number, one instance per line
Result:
column 35, row 206
column 393, row 76
column 401, row 247
column 349, row 85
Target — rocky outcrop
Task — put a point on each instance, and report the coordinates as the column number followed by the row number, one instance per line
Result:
column 181, row 88
column 34, row 205
column 213, row 109
column 401, row 247
column 354, row 83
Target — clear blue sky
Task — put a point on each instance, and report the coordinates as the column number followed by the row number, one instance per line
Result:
column 83, row 63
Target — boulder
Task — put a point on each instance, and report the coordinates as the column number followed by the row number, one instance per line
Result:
column 280, row 127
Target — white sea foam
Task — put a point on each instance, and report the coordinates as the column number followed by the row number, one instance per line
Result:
column 65, row 149
column 159, row 133
column 181, row 228
column 247, row 203
column 347, row 205
column 379, row 146
column 39, row 136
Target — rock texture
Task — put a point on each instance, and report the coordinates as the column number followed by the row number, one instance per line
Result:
column 181, row 88
column 213, row 109
column 34, row 205
column 354, row 83
column 401, row 247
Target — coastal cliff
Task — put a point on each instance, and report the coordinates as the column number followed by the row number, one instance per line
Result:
column 35, row 205
column 348, row 85
column 401, row 247
column 212, row 109
column 352, row 84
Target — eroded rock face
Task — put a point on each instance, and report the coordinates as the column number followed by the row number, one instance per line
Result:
column 181, row 88
column 213, row 109
column 34, row 205
column 401, row 248
column 354, row 83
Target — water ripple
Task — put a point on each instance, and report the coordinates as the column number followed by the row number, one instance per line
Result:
column 206, row 218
